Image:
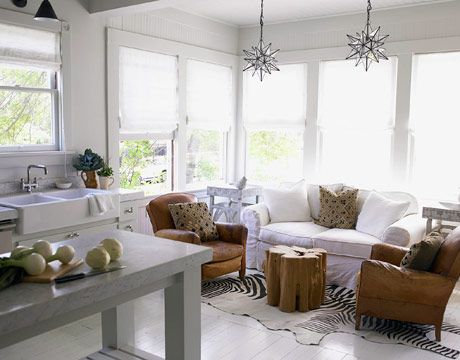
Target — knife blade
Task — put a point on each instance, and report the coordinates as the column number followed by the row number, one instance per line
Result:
column 82, row 275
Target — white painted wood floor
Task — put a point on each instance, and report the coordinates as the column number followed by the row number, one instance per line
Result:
column 224, row 336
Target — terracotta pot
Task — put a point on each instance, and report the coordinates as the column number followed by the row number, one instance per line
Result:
column 90, row 179
column 106, row 182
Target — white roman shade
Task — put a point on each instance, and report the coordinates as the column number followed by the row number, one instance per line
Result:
column 30, row 47
column 209, row 95
column 363, row 100
column 148, row 92
column 279, row 101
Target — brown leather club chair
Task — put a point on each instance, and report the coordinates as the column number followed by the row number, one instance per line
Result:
column 388, row 291
column 229, row 252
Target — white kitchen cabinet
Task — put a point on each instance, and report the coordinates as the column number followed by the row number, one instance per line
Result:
column 71, row 234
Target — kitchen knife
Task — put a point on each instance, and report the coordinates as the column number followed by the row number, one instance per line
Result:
column 72, row 277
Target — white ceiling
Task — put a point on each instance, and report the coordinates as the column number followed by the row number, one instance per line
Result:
column 246, row 12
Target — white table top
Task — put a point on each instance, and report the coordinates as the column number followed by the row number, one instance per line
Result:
column 148, row 260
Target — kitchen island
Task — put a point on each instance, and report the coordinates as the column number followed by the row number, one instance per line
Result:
column 151, row 264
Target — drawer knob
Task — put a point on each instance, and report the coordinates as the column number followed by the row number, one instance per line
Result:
column 129, row 228
column 129, row 211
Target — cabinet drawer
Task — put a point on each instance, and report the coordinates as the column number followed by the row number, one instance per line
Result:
column 128, row 226
column 128, row 211
column 71, row 234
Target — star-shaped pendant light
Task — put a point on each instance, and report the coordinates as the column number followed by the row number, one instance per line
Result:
column 367, row 47
column 261, row 59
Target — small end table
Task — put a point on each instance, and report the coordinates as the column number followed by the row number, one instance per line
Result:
column 232, row 208
column 441, row 211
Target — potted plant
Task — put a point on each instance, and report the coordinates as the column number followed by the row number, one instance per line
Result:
column 88, row 164
column 105, row 176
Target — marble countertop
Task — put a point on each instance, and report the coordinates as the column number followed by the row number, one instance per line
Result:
column 8, row 214
column 130, row 195
column 147, row 261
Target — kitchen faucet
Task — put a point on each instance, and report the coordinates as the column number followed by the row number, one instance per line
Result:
column 28, row 186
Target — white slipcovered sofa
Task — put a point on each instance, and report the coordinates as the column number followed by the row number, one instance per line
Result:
column 346, row 248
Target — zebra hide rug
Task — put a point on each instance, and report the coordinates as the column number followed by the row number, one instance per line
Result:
column 248, row 298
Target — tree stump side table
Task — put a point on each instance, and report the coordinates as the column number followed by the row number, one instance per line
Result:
column 296, row 278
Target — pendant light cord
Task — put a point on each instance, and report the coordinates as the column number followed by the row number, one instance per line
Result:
column 261, row 20
column 369, row 8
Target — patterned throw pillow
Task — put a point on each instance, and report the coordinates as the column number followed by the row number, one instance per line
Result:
column 194, row 217
column 338, row 210
column 422, row 255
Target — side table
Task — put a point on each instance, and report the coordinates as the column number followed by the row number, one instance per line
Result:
column 296, row 278
column 441, row 211
column 232, row 208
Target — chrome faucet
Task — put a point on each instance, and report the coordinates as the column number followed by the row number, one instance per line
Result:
column 28, row 186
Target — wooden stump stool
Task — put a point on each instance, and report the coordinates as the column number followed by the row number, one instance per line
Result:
column 295, row 278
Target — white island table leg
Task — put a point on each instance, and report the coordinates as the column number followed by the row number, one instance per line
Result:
column 118, row 328
column 183, row 317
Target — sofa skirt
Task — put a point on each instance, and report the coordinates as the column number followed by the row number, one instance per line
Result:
column 341, row 270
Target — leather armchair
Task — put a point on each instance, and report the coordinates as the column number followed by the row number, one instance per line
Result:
column 388, row 291
column 229, row 252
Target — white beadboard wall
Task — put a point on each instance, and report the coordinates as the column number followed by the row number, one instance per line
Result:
column 177, row 25
column 411, row 23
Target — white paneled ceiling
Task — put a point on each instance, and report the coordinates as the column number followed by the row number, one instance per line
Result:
column 246, row 12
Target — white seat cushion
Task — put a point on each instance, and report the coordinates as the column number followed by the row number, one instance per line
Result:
column 290, row 233
column 346, row 242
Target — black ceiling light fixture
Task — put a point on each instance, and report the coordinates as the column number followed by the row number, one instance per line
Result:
column 46, row 12
column 261, row 58
column 367, row 47
column 19, row 3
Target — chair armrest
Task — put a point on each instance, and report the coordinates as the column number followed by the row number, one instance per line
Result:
column 388, row 253
column 254, row 217
column 179, row 235
column 405, row 232
column 381, row 280
column 232, row 233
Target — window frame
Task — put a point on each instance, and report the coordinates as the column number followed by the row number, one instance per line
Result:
column 245, row 131
column 53, row 90
column 117, row 38
column 61, row 107
column 225, row 134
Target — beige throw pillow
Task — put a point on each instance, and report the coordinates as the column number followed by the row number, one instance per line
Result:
column 338, row 210
column 194, row 217
column 422, row 255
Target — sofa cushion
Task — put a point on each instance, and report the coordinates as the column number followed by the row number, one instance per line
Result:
column 222, row 251
column 291, row 233
column 378, row 213
column 346, row 242
column 313, row 197
column 338, row 210
column 289, row 204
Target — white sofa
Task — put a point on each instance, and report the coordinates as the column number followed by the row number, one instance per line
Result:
column 346, row 248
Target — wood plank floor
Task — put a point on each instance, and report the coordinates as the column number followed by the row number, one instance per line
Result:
column 224, row 336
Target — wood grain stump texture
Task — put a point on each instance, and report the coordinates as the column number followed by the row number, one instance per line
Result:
column 296, row 278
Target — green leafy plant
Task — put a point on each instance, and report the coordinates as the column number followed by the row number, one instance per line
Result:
column 106, row 170
column 89, row 161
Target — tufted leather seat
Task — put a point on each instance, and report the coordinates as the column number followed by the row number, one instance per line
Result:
column 229, row 252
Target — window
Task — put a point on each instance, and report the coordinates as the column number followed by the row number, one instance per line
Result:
column 356, row 121
column 148, row 118
column 209, row 115
column 29, row 95
column 435, row 124
column 274, row 118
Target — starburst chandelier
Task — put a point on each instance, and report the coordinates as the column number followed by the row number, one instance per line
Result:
column 367, row 47
column 261, row 59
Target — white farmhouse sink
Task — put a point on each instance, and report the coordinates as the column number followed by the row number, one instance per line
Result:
column 57, row 209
